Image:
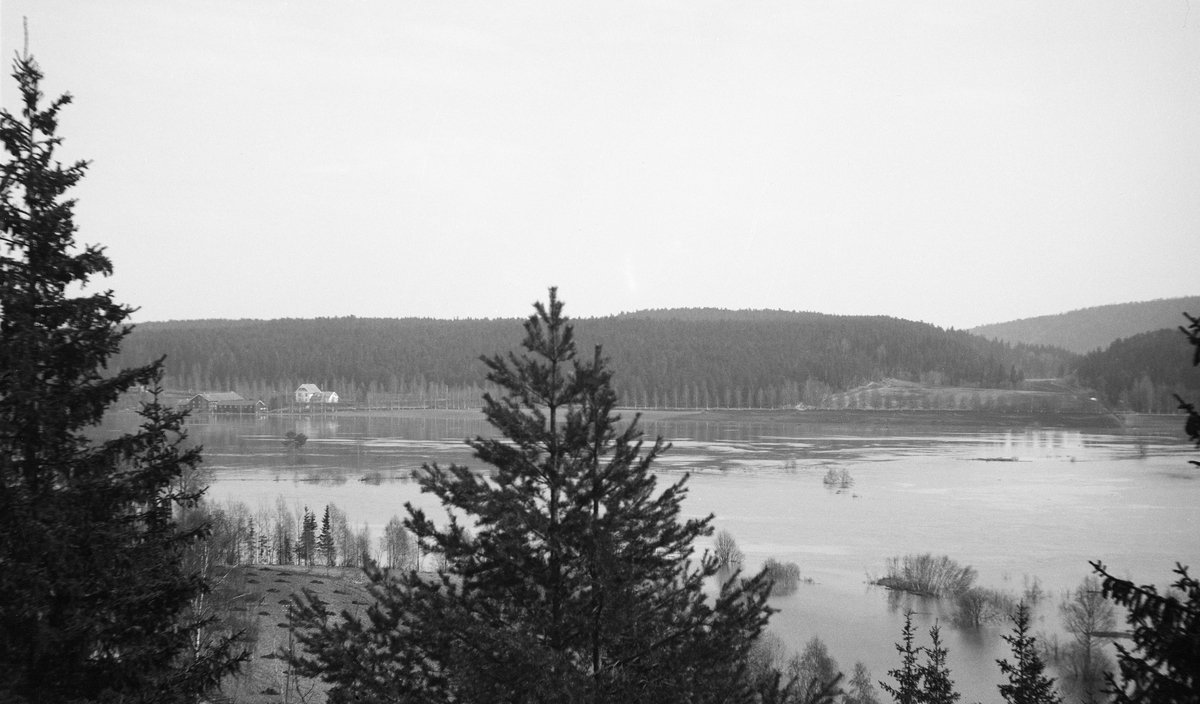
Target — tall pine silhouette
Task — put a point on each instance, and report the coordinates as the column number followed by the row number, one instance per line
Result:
column 94, row 597
column 574, row 581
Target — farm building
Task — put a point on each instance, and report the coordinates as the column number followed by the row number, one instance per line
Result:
column 223, row 402
column 324, row 397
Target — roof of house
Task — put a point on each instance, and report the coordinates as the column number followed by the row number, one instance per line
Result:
column 218, row 396
column 239, row 402
column 309, row 389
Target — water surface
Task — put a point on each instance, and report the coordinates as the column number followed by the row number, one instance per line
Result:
column 1014, row 502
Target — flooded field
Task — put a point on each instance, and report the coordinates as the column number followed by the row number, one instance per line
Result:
column 1015, row 501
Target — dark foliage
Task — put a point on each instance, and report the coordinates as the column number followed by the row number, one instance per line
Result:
column 1027, row 682
column 95, row 601
column 1143, row 372
column 326, row 545
column 574, row 583
column 695, row 362
column 936, row 685
column 1164, row 663
column 1192, row 426
column 294, row 441
column 908, row 676
column 921, row 683
column 306, row 547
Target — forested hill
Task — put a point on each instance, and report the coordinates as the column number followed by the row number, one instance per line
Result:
column 771, row 361
column 1089, row 329
column 711, row 314
column 1144, row 372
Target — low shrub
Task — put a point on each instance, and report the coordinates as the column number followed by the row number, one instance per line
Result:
column 784, row 576
column 927, row 575
column 838, row 478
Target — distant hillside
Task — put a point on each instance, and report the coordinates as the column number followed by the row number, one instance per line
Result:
column 1087, row 329
column 708, row 314
column 1143, row 372
column 752, row 359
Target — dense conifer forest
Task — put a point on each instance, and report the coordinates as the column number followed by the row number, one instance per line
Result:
column 689, row 358
column 1143, row 372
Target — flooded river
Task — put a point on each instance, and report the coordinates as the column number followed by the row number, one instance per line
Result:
column 1014, row 502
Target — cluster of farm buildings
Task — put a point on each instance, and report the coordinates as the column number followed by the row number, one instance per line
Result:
column 307, row 396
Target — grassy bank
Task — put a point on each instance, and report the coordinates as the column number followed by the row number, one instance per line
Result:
column 262, row 609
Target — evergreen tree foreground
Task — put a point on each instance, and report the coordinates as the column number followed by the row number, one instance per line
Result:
column 1027, row 681
column 917, row 683
column 95, row 601
column 567, row 571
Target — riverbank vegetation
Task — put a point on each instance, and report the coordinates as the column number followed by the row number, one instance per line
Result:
column 291, row 534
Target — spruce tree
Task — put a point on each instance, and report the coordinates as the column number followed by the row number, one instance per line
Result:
column 326, row 546
column 306, row 549
column 94, row 597
column 575, row 582
column 1027, row 682
column 908, row 675
column 937, row 687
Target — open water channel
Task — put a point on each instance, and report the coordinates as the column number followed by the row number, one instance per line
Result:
column 1013, row 500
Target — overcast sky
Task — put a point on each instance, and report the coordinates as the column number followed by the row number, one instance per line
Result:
column 957, row 163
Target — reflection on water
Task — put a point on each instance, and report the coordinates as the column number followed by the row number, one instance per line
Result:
column 1014, row 503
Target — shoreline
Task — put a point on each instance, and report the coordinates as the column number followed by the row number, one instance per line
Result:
column 1158, row 424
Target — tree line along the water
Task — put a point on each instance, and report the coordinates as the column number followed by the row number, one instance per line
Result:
column 741, row 360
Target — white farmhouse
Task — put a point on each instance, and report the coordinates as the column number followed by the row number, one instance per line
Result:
column 309, row 393
column 304, row 394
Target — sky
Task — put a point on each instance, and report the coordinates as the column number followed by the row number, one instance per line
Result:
column 955, row 163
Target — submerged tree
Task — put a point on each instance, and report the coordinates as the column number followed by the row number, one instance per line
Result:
column 575, row 582
column 726, row 550
column 94, row 597
column 1088, row 617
